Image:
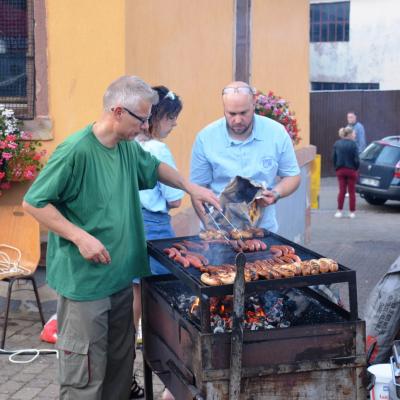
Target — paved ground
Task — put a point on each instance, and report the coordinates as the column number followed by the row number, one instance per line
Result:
column 368, row 244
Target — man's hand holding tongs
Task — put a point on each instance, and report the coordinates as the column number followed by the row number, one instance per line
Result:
column 200, row 195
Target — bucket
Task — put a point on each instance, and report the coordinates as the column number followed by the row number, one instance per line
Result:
column 383, row 377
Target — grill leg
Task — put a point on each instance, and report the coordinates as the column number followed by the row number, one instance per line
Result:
column 39, row 304
column 10, row 285
column 353, row 299
column 148, row 381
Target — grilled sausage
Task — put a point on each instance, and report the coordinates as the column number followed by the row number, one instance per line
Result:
column 182, row 260
column 278, row 260
column 172, row 252
column 250, row 245
column 287, row 259
column 275, row 251
column 242, row 245
column 194, row 261
column 203, row 259
column 211, row 280
column 179, row 246
column 314, row 264
column 294, row 257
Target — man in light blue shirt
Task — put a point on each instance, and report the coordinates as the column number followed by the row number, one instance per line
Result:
column 358, row 129
column 243, row 143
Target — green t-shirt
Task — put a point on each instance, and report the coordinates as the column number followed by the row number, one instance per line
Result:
column 97, row 189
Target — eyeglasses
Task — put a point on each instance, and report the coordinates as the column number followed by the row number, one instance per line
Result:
column 142, row 120
column 240, row 89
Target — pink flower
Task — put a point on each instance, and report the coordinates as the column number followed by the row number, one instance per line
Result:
column 30, row 172
column 6, row 156
column 26, row 135
column 2, row 175
column 12, row 145
column 11, row 138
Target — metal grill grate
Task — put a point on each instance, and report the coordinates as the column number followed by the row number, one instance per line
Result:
column 17, row 57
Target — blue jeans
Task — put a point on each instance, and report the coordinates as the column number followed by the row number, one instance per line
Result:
column 157, row 225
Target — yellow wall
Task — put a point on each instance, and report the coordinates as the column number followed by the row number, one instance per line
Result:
column 280, row 35
column 187, row 46
column 86, row 51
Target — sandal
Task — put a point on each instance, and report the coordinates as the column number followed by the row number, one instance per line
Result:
column 137, row 391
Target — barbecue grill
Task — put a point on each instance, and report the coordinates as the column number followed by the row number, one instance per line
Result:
column 325, row 359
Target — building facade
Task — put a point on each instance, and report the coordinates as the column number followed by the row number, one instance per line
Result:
column 195, row 48
column 354, row 45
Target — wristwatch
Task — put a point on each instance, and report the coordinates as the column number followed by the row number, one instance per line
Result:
column 277, row 195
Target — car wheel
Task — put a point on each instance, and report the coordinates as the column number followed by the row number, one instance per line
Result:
column 375, row 201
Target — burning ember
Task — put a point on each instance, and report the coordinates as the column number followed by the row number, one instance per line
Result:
column 264, row 310
column 195, row 305
column 260, row 313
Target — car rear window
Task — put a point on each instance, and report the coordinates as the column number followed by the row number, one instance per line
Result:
column 389, row 155
column 381, row 154
column 371, row 152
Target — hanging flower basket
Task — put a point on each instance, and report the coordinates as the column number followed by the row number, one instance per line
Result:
column 20, row 160
column 274, row 107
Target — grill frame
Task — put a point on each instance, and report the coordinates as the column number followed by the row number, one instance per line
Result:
column 192, row 363
column 191, row 277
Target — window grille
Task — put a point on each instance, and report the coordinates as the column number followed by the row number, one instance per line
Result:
column 330, row 22
column 17, row 66
column 318, row 86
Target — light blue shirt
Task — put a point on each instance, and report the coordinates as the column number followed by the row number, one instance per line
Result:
column 267, row 153
column 156, row 199
column 360, row 136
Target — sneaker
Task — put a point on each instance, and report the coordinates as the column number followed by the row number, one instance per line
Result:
column 352, row 215
column 137, row 391
column 139, row 337
column 338, row 214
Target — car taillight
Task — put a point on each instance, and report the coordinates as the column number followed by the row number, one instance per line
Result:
column 397, row 170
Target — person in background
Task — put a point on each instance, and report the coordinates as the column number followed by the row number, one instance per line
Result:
column 157, row 202
column 352, row 122
column 346, row 162
column 88, row 197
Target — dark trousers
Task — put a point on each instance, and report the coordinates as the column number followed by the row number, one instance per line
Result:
column 347, row 178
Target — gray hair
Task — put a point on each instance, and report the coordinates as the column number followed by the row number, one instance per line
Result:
column 126, row 91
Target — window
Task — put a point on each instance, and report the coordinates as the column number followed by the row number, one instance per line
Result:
column 17, row 81
column 329, row 22
column 389, row 155
column 381, row 154
column 316, row 86
column 371, row 152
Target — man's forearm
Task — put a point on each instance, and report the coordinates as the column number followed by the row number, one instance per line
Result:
column 52, row 219
column 171, row 177
column 199, row 195
column 287, row 185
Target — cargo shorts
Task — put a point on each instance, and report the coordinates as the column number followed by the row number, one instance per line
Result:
column 96, row 347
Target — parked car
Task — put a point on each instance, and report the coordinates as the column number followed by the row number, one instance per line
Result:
column 379, row 173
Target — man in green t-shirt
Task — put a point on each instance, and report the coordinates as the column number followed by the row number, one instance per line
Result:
column 88, row 198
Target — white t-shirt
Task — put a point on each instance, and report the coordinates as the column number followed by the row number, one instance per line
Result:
column 156, row 199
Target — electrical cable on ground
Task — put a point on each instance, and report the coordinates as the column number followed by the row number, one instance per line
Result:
column 35, row 353
column 7, row 266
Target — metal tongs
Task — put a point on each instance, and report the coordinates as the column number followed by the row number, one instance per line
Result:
column 209, row 210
